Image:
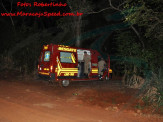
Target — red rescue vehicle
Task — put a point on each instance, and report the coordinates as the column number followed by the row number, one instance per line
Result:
column 64, row 64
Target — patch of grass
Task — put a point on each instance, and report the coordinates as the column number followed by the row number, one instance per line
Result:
column 160, row 98
column 138, row 106
column 146, row 101
column 159, row 101
column 75, row 94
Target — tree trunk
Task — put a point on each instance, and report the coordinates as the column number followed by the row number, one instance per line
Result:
column 78, row 31
column 124, row 78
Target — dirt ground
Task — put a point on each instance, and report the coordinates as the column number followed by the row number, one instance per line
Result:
column 38, row 101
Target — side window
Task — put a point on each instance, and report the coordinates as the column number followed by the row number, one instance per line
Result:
column 47, row 56
column 66, row 57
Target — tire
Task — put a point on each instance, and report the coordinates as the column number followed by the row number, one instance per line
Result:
column 65, row 83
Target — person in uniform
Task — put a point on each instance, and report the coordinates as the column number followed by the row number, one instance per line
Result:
column 101, row 66
column 86, row 59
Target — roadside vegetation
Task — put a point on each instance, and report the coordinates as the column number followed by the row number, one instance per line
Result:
column 142, row 51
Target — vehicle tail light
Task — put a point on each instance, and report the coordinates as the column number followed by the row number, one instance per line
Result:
column 51, row 68
column 110, row 71
column 38, row 66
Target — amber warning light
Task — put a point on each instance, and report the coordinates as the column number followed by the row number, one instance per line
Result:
column 110, row 71
column 45, row 47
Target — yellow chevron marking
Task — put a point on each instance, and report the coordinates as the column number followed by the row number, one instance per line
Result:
column 60, row 70
column 43, row 73
column 73, row 58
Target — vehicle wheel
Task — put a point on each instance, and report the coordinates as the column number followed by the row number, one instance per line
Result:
column 65, row 83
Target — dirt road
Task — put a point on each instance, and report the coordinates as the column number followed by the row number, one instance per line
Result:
column 37, row 101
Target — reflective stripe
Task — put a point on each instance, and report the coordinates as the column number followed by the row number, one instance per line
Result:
column 43, row 73
column 73, row 58
column 94, row 70
column 60, row 70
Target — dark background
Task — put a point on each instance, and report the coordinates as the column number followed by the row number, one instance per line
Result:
column 124, row 29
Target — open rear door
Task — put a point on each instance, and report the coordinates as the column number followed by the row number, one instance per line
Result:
column 80, row 55
column 109, row 69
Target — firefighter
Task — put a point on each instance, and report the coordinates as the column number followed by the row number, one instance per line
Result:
column 101, row 66
column 86, row 60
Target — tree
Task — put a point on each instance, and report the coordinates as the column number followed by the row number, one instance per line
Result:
column 74, row 24
column 147, row 17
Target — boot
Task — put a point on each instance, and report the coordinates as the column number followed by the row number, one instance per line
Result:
column 86, row 75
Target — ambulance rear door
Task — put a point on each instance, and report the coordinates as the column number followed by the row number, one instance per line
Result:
column 44, row 61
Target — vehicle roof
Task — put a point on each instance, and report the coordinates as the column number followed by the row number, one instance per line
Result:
column 74, row 47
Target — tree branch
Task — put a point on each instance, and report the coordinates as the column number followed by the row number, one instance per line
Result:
column 153, row 26
column 110, row 3
column 132, row 27
column 8, row 12
column 69, row 5
column 138, row 35
column 122, row 4
column 11, row 5
column 96, row 12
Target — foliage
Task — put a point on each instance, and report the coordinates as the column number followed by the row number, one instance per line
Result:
column 146, row 14
column 160, row 98
column 147, row 17
column 146, row 100
column 24, row 48
column 127, row 45
column 148, row 21
column 81, row 6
